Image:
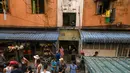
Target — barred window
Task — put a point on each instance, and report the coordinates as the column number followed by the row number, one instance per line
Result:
column 38, row 6
column 3, row 5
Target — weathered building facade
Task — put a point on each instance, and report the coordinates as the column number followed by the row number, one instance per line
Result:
column 95, row 11
column 90, row 25
column 29, row 24
column 107, row 24
column 28, row 13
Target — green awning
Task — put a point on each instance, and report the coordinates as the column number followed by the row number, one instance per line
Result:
column 107, row 65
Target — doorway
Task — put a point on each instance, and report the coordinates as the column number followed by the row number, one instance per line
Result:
column 70, row 48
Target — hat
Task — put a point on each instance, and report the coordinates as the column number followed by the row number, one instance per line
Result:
column 36, row 57
column 61, row 59
column 81, row 51
column 13, row 62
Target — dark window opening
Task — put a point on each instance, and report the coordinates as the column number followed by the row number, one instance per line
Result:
column 1, row 8
column 3, row 5
column 102, row 6
column 69, row 19
column 38, row 6
column 106, row 5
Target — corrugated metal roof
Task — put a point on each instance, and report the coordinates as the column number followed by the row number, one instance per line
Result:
column 105, row 37
column 107, row 65
column 29, row 35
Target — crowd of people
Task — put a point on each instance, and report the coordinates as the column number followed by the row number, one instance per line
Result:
column 57, row 65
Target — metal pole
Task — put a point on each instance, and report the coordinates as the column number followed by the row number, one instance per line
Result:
column 117, row 48
column 58, row 39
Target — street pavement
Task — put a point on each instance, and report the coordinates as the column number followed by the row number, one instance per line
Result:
column 49, row 68
column 67, row 69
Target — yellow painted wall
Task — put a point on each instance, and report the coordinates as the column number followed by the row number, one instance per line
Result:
column 69, row 35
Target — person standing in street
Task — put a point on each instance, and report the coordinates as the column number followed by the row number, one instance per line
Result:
column 61, row 52
column 29, row 69
column 73, row 68
column 24, row 63
column 45, row 69
column 2, row 61
column 2, row 58
column 39, row 66
column 16, row 69
column 82, row 63
column 58, row 55
column 36, row 57
column 62, row 66
column 73, row 55
column 53, row 66
column 95, row 54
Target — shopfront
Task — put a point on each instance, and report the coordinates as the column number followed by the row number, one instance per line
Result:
column 20, row 43
column 107, row 43
column 69, row 40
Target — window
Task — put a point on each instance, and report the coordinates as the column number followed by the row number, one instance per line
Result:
column 102, row 6
column 69, row 19
column 38, row 6
column 106, row 8
column 3, row 5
